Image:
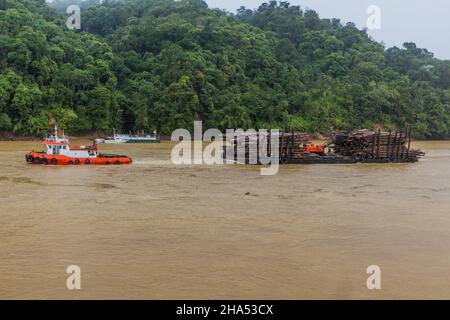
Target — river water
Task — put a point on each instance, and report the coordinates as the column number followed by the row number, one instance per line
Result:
column 154, row 230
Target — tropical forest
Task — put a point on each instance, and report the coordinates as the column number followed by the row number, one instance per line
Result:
column 162, row 64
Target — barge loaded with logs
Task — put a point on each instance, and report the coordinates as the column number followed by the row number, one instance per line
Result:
column 376, row 147
column 360, row 146
column 58, row 151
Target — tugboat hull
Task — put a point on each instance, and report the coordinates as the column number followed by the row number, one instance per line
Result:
column 102, row 159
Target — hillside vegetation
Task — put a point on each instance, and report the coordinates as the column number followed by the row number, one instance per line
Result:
column 161, row 64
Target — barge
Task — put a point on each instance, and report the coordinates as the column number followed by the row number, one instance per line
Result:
column 360, row 146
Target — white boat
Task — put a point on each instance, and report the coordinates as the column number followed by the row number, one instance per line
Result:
column 114, row 139
column 128, row 138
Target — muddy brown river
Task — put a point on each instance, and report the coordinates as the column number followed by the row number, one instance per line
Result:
column 154, row 230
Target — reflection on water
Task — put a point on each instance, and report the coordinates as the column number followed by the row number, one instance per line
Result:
column 155, row 230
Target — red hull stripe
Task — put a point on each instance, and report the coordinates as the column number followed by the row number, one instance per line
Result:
column 40, row 158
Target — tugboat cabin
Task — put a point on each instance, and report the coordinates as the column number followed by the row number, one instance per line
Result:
column 65, row 149
column 60, row 146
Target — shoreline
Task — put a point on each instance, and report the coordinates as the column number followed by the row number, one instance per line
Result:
column 9, row 137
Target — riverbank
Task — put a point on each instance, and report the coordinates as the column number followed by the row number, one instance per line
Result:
column 6, row 136
column 9, row 136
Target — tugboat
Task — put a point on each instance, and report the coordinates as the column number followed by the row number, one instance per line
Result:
column 58, row 151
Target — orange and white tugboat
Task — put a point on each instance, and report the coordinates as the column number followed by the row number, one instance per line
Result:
column 58, row 151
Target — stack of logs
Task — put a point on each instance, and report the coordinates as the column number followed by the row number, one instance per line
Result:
column 366, row 146
column 291, row 147
column 252, row 143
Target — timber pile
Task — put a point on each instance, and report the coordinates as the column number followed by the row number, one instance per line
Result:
column 291, row 148
column 251, row 144
column 368, row 146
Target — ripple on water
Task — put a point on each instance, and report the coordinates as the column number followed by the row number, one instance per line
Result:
column 104, row 186
column 25, row 180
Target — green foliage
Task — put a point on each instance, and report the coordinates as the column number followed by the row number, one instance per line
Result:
column 65, row 117
column 44, row 66
column 5, row 122
column 161, row 64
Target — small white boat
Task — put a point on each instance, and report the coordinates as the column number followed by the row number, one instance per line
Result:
column 114, row 139
column 128, row 138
